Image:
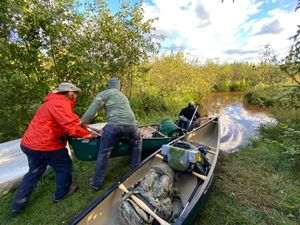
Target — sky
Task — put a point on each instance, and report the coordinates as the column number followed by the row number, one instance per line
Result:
column 225, row 31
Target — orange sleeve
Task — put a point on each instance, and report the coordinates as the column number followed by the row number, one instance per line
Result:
column 68, row 120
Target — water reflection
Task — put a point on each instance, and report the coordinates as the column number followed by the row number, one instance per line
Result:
column 239, row 121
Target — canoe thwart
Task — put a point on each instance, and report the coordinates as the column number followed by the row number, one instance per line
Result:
column 159, row 156
column 211, row 152
column 143, row 206
column 202, row 177
column 208, row 150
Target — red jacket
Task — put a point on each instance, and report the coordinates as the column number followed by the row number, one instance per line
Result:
column 53, row 121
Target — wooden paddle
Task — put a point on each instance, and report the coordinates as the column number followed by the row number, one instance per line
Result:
column 191, row 121
column 143, row 206
column 202, row 177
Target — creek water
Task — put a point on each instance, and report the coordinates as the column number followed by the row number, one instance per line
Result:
column 239, row 121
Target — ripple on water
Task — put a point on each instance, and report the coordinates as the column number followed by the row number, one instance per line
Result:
column 239, row 122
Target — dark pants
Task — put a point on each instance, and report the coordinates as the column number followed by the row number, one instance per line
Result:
column 38, row 161
column 110, row 137
column 184, row 123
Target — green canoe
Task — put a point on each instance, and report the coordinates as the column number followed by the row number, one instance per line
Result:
column 192, row 187
column 153, row 135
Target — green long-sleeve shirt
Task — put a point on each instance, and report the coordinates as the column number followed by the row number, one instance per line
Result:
column 116, row 106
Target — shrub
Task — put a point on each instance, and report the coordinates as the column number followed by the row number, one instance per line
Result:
column 285, row 103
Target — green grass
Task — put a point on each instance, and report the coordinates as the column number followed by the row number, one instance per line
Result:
column 42, row 210
column 256, row 185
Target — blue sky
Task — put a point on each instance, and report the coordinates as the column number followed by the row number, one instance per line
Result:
column 223, row 31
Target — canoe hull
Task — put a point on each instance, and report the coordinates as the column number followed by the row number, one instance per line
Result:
column 193, row 191
column 13, row 165
column 87, row 150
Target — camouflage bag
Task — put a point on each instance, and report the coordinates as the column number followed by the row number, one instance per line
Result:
column 157, row 189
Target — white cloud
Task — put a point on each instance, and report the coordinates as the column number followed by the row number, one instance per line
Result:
column 212, row 29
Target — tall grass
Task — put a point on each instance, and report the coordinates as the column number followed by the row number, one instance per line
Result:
column 285, row 105
column 223, row 86
column 42, row 210
column 256, row 185
column 260, row 183
column 275, row 96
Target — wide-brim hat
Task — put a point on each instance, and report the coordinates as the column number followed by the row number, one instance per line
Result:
column 63, row 87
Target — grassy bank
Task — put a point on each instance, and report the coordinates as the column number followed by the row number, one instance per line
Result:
column 284, row 103
column 257, row 185
column 260, row 184
column 275, row 96
column 42, row 210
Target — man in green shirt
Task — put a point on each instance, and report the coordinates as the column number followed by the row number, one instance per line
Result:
column 120, row 124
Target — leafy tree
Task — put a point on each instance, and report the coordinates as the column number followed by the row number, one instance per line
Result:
column 43, row 43
column 269, row 69
column 35, row 37
column 291, row 65
column 176, row 80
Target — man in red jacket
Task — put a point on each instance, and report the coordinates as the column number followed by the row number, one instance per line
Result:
column 44, row 143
